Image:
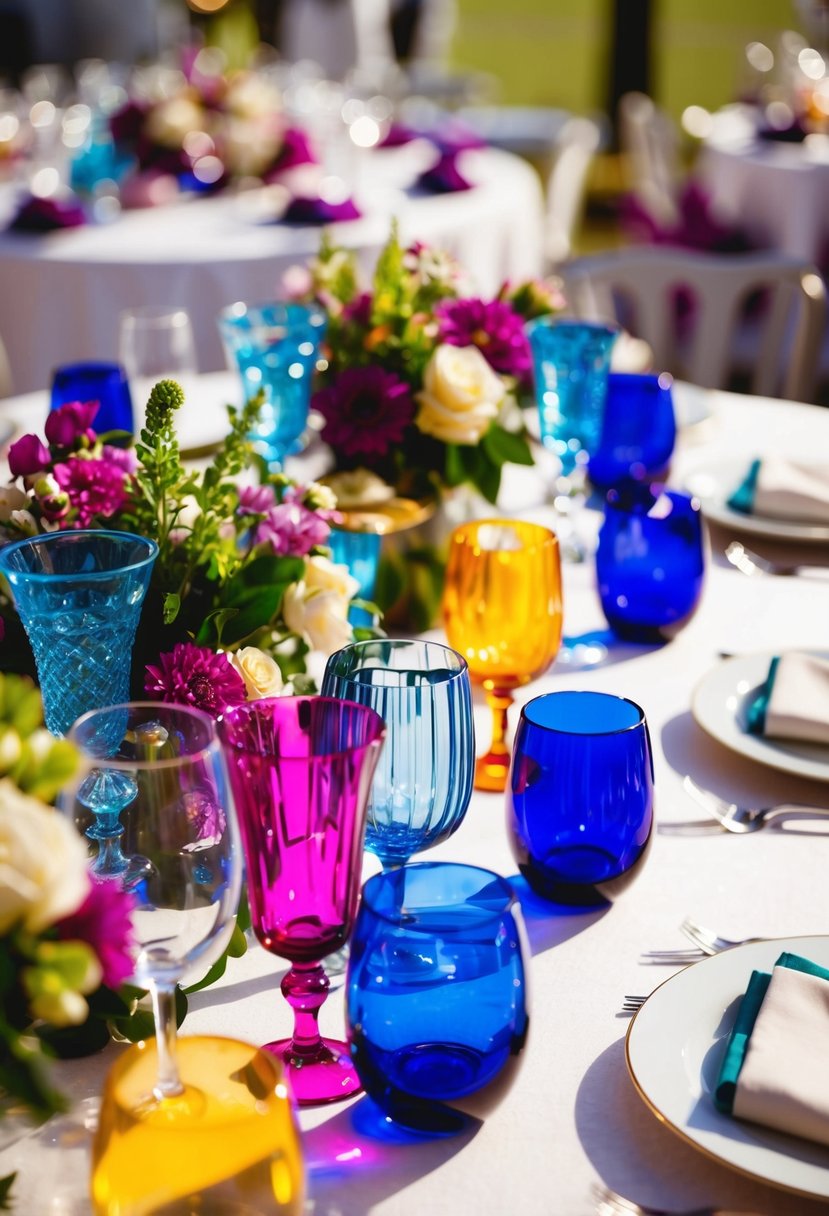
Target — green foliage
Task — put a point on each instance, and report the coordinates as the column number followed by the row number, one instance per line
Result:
column 30, row 757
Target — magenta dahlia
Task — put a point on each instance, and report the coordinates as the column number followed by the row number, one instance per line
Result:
column 104, row 922
column 95, row 488
column 195, row 675
column 366, row 411
column 493, row 326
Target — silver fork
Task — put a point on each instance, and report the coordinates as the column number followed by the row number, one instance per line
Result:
column 611, row 1203
column 708, row 941
column 742, row 819
column 632, row 1004
column 749, row 562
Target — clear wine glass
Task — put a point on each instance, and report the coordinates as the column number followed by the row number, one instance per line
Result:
column 155, row 343
column 162, row 765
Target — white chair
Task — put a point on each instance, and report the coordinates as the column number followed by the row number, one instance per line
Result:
column 640, row 286
column 576, row 145
column 343, row 37
column 649, row 142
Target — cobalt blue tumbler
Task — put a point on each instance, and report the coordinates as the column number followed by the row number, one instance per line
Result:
column 105, row 383
column 638, row 432
column 580, row 796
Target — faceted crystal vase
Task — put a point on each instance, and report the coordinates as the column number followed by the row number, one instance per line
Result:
column 79, row 596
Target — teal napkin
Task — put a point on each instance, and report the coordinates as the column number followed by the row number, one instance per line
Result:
column 774, row 1104
column 742, row 499
column 793, row 700
column 756, row 709
column 792, row 491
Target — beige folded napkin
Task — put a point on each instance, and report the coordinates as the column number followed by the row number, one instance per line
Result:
column 793, row 702
column 777, row 488
column 776, row 1069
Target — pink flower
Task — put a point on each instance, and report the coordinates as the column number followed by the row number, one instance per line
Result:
column 366, row 411
column 70, row 422
column 95, row 488
column 28, row 455
column 494, row 327
column 124, row 458
column 255, row 500
column 196, row 675
column 104, row 921
column 292, row 530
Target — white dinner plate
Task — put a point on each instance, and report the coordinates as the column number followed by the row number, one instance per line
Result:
column 674, row 1048
column 715, row 484
column 719, row 704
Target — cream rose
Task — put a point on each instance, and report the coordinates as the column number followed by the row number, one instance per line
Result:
column 317, row 606
column 43, row 874
column 461, row 395
column 259, row 671
column 171, row 120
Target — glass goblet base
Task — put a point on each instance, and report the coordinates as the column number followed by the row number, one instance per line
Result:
column 327, row 1075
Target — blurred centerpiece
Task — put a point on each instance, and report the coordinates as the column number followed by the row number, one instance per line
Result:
column 420, row 389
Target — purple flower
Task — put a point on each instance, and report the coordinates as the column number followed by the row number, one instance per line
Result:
column 71, row 422
column 292, row 530
column 104, row 921
column 255, row 500
column 122, row 458
column 494, row 327
column 206, row 819
column 195, row 675
column 366, row 411
column 28, row 455
column 358, row 310
column 95, row 487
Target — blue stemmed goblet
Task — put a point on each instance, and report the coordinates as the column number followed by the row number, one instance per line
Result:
column 580, row 795
column 638, row 431
column 275, row 348
column 105, row 383
column 423, row 781
column 650, row 562
column 437, row 1006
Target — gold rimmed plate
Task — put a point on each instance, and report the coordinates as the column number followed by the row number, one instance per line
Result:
column 675, row 1046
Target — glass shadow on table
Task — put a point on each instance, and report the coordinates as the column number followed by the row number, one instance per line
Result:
column 549, row 924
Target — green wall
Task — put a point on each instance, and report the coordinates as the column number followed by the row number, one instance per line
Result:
column 555, row 52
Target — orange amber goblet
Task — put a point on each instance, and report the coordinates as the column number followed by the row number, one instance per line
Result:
column 502, row 611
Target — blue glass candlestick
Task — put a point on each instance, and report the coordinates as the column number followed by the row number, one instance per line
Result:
column 275, row 348
column 79, row 596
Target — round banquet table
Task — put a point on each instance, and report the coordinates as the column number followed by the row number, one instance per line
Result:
column 573, row 1116
column 775, row 191
column 61, row 294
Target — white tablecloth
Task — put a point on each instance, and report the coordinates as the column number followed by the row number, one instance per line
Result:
column 573, row 1115
column 61, row 295
column 776, row 191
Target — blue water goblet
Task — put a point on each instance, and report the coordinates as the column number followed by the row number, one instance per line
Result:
column 275, row 348
column 650, row 562
column 437, row 1005
column 105, row 383
column 571, row 363
column 423, row 781
column 79, row 597
column 360, row 552
column 580, row 796
column 638, row 431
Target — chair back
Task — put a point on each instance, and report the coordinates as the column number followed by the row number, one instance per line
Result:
column 575, row 146
column 691, row 308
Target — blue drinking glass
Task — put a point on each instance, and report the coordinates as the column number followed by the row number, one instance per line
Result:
column 360, row 552
column 423, row 781
column 275, row 348
column 79, row 597
column 105, row 383
column 650, row 562
column 639, row 430
column 437, row 1006
column 580, row 796
column 571, row 362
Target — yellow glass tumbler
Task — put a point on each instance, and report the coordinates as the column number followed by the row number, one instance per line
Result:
column 230, row 1147
column 502, row 611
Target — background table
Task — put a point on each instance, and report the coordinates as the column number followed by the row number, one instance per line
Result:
column 61, row 295
column 573, row 1115
column 776, row 191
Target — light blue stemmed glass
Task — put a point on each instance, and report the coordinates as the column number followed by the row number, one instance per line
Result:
column 423, row 781
column 437, row 1005
column 79, row 596
column 360, row 552
column 571, row 362
column 275, row 348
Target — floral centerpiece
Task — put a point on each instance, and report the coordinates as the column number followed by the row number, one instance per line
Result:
column 243, row 596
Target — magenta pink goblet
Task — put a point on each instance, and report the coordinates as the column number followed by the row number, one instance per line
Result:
column 301, row 770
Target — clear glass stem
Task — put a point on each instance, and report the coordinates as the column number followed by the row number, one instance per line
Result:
column 168, row 1082
column 305, row 988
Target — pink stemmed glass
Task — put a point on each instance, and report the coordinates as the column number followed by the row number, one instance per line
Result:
column 301, row 769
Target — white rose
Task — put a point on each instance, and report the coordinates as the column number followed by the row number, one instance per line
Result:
column 461, row 395
column 43, row 874
column 259, row 671
column 12, row 498
column 317, row 607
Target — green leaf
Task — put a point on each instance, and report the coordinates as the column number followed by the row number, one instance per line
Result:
column 454, row 471
column 172, row 606
column 257, row 607
column 502, row 446
column 264, row 571
column 6, row 1184
column 74, row 1042
column 390, row 582
column 488, row 480
column 243, row 914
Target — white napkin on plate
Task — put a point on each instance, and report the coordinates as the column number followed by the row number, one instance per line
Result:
column 791, row 489
column 797, row 701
